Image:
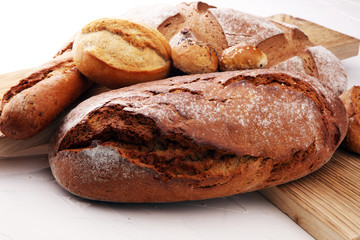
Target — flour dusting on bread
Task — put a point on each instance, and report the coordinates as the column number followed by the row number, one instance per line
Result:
column 241, row 27
column 153, row 15
column 330, row 70
column 293, row 64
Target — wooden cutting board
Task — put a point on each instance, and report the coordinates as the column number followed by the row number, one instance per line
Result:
column 326, row 203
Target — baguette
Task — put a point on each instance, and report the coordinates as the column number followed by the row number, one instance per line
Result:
column 43, row 94
column 197, row 137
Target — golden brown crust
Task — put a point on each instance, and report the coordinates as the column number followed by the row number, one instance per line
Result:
column 350, row 98
column 241, row 57
column 193, row 56
column 224, row 28
column 30, row 106
column 197, row 137
column 116, row 53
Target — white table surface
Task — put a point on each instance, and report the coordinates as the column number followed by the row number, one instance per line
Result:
column 33, row 206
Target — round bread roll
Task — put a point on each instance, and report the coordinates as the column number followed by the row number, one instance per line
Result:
column 351, row 100
column 242, row 57
column 285, row 46
column 197, row 137
column 183, row 58
column 116, row 53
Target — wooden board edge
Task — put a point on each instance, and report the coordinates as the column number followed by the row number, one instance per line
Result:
column 300, row 215
column 350, row 52
column 293, row 199
column 352, row 44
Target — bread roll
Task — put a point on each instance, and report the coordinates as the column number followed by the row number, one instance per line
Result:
column 193, row 56
column 115, row 53
column 240, row 57
column 32, row 104
column 351, row 100
column 197, row 137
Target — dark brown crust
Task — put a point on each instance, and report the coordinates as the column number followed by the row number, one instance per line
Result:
column 145, row 144
column 37, row 99
column 351, row 100
column 223, row 28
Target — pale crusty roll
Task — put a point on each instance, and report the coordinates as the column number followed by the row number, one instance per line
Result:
column 351, row 100
column 117, row 52
column 197, row 137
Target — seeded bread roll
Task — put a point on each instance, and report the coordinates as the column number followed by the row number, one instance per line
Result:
column 197, row 137
column 183, row 56
column 240, row 57
column 285, row 46
column 117, row 53
column 351, row 100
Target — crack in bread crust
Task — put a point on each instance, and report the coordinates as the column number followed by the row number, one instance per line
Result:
column 197, row 137
column 173, row 154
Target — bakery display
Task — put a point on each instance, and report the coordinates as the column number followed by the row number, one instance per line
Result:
column 213, row 132
column 38, row 98
column 117, row 53
column 351, row 100
column 197, row 136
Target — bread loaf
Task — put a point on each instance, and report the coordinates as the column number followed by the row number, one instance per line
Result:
column 351, row 100
column 286, row 47
column 197, row 137
column 32, row 104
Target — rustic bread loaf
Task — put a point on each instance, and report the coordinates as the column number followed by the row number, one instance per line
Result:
column 117, row 53
column 32, row 104
column 286, row 47
column 197, row 137
column 351, row 100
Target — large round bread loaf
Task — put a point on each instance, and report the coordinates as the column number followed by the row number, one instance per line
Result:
column 197, row 137
column 287, row 48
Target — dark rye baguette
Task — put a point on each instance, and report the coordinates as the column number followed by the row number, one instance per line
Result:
column 197, row 137
column 32, row 104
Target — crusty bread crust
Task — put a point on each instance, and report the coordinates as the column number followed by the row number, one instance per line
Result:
column 206, row 59
column 117, row 53
column 223, row 28
column 350, row 98
column 32, row 104
column 197, row 137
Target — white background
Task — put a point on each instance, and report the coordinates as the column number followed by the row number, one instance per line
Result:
column 33, row 206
